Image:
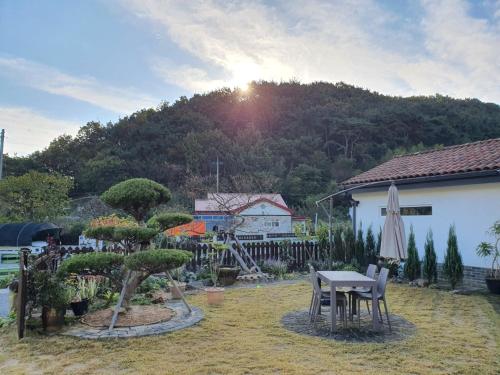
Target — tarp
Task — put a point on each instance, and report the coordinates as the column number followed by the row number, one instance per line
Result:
column 393, row 244
column 23, row 234
column 192, row 229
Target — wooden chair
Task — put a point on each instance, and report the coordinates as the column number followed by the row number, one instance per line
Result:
column 322, row 298
column 380, row 295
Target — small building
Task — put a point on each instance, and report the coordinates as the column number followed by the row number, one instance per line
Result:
column 252, row 217
column 457, row 185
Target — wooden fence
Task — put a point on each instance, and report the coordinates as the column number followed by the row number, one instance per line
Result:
column 297, row 254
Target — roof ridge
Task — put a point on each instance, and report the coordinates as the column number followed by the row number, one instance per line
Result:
column 446, row 148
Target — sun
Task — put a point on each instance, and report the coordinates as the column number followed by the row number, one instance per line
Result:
column 244, row 74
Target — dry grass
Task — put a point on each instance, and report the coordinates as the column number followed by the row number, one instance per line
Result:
column 455, row 334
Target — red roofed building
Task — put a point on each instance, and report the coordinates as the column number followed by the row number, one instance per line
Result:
column 253, row 217
column 457, row 185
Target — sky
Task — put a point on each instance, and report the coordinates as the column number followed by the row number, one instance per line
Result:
column 64, row 63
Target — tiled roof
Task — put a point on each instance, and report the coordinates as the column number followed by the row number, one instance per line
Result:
column 469, row 157
column 220, row 202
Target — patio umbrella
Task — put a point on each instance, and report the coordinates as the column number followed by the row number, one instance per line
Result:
column 393, row 243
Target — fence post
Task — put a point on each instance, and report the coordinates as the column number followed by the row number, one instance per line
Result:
column 21, row 293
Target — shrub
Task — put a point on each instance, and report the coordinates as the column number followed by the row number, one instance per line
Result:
column 349, row 267
column 430, row 260
column 50, row 291
column 275, row 267
column 453, row 268
column 97, row 263
column 156, row 261
column 151, row 284
column 370, row 248
column 136, row 196
column 360, row 247
column 6, row 280
column 169, row 220
column 412, row 264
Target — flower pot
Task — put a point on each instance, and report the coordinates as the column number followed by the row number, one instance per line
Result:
column 81, row 307
column 215, row 296
column 228, row 275
column 53, row 319
column 174, row 291
column 493, row 285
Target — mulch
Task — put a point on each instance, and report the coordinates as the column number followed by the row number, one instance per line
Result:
column 136, row 316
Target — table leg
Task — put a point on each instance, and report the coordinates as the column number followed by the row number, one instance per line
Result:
column 333, row 306
column 375, row 307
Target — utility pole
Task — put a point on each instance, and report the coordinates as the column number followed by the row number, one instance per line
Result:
column 2, row 138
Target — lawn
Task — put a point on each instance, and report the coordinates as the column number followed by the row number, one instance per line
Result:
column 455, row 334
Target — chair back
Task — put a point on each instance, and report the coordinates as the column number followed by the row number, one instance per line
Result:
column 371, row 270
column 314, row 280
column 382, row 281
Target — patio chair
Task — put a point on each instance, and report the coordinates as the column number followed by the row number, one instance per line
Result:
column 380, row 295
column 370, row 272
column 322, row 298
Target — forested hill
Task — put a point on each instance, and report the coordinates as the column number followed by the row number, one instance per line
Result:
column 292, row 138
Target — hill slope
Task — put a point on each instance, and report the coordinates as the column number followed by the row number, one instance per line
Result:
column 293, row 138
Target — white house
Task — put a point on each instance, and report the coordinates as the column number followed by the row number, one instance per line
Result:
column 253, row 217
column 457, row 185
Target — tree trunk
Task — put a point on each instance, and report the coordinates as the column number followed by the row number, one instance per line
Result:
column 136, row 278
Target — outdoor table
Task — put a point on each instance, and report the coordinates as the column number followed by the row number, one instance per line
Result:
column 337, row 279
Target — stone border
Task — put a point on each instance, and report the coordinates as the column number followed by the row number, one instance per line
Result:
column 180, row 320
column 298, row 322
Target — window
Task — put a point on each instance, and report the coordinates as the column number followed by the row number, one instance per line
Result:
column 273, row 223
column 411, row 211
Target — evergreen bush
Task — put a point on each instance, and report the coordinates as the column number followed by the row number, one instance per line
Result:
column 412, row 264
column 370, row 248
column 360, row 247
column 430, row 259
column 453, row 268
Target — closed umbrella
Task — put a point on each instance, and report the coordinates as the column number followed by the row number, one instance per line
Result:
column 393, row 243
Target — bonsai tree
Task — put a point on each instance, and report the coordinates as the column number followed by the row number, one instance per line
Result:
column 136, row 197
column 412, row 264
column 453, row 268
column 430, row 259
column 486, row 249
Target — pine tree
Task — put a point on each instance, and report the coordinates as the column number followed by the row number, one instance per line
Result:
column 379, row 240
column 430, row 259
column 370, row 247
column 412, row 264
column 349, row 244
column 360, row 247
column 453, row 268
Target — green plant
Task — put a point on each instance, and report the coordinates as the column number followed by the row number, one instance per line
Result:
column 136, row 196
column 6, row 280
column 370, row 248
column 214, row 252
column 453, row 268
column 430, row 260
column 97, row 263
column 412, row 264
column 50, row 291
column 360, row 246
column 110, row 297
column 275, row 267
column 87, row 287
column 486, row 249
column 168, row 220
column 156, row 261
column 151, row 284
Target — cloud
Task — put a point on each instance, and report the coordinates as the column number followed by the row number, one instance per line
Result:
column 86, row 89
column 27, row 131
column 438, row 47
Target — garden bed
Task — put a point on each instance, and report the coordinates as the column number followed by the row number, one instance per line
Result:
column 137, row 315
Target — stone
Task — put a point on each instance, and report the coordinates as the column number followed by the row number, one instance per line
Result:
column 158, row 296
column 422, row 283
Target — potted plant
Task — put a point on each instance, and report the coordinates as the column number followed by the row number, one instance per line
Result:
column 215, row 295
column 53, row 296
column 228, row 274
column 485, row 250
column 84, row 292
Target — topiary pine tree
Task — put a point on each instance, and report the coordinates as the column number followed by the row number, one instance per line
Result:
column 412, row 264
column 430, row 259
column 453, row 268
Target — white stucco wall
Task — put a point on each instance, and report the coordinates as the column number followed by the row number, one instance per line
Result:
column 257, row 215
column 472, row 208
